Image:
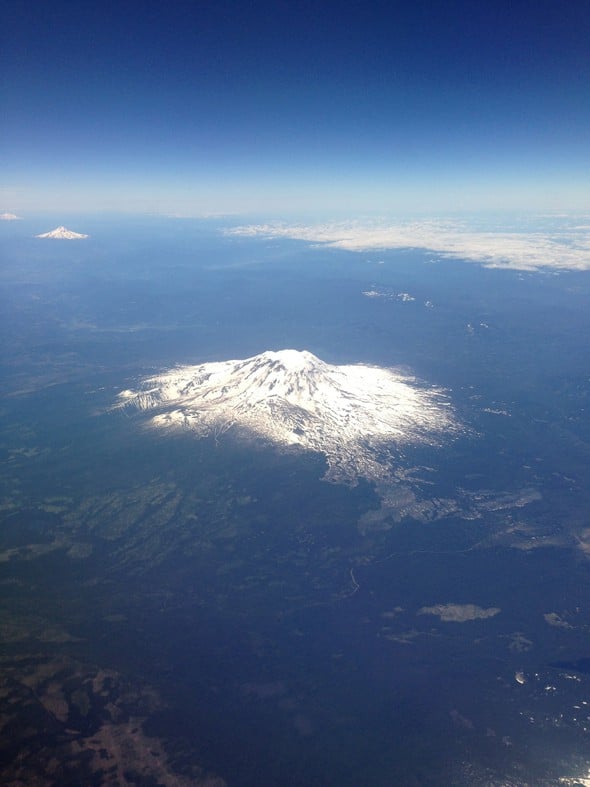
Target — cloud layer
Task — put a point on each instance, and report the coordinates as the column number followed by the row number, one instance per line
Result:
column 564, row 248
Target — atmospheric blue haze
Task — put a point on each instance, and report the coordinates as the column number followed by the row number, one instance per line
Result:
column 208, row 612
column 181, row 606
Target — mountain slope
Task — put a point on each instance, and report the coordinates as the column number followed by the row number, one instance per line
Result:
column 358, row 416
column 62, row 233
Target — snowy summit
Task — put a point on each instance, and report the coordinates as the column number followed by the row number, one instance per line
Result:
column 62, row 233
column 358, row 416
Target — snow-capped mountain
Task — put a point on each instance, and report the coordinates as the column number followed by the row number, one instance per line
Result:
column 62, row 233
column 358, row 416
column 9, row 217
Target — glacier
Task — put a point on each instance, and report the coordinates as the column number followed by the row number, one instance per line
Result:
column 62, row 233
column 358, row 416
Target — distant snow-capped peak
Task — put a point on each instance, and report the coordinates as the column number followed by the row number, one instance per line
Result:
column 62, row 233
column 358, row 416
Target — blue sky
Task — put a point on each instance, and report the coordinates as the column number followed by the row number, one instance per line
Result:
column 209, row 107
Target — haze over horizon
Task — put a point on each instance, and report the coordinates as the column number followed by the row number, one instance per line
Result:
column 282, row 107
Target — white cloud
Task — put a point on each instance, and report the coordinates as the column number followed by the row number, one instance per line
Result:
column 565, row 248
column 9, row 217
column 459, row 613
